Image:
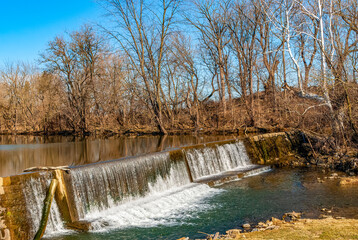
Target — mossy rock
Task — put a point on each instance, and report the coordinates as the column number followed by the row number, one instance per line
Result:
column 272, row 148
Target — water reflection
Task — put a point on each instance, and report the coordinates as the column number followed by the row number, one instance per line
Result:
column 20, row 152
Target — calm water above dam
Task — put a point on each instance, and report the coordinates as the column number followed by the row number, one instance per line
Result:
column 21, row 152
column 198, row 208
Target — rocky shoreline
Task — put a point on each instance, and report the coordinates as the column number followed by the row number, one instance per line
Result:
column 272, row 224
column 292, row 226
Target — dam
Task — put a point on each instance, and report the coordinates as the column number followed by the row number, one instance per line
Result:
column 118, row 193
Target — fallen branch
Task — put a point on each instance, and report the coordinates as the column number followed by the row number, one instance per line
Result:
column 46, row 209
column 319, row 105
column 37, row 169
column 303, row 94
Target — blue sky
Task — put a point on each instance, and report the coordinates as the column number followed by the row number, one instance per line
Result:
column 26, row 26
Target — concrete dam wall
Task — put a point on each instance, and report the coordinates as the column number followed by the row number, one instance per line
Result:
column 91, row 189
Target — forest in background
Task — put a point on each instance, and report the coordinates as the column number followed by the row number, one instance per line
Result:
column 175, row 66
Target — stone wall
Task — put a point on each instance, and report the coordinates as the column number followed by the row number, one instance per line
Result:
column 279, row 149
column 13, row 212
column 15, row 221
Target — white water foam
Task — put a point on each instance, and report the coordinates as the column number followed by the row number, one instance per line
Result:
column 35, row 194
column 168, row 208
column 210, row 161
column 168, row 200
column 88, row 182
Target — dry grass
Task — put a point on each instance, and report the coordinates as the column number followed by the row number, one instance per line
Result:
column 310, row 229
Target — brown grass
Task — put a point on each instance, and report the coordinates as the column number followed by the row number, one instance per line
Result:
column 309, row 229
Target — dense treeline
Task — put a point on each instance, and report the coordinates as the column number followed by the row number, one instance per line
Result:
column 192, row 65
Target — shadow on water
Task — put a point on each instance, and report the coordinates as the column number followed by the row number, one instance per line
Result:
column 250, row 200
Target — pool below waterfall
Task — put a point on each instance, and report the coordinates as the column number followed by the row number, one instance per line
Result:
column 195, row 209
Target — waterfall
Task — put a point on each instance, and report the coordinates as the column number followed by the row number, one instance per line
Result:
column 153, row 189
column 101, row 186
column 35, row 190
column 219, row 158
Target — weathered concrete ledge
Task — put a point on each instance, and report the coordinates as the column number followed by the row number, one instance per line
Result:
column 14, row 214
column 279, row 149
column 231, row 176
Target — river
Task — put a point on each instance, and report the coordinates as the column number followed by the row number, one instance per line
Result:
column 18, row 153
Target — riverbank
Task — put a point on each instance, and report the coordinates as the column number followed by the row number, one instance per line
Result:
column 299, row 149
column 330, row 225
column 328, row 228
column 150, row 132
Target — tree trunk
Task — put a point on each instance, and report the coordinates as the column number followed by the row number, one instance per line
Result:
column 335, row 121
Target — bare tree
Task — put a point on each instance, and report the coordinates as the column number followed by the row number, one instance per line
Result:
column 185, row 56
column 244, row 29
column 319, row 11
column 348, row 10
column 75, row 61
column 212, row 22
column 19, row 107
column 142, row 33
column 270, row 50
